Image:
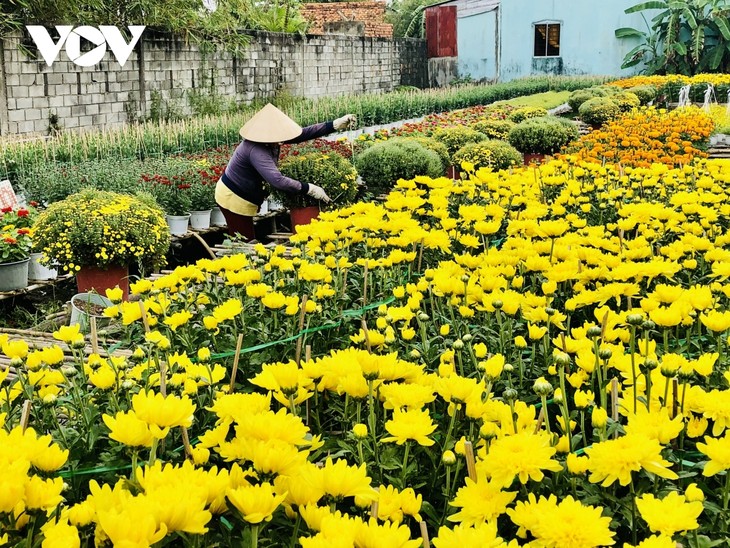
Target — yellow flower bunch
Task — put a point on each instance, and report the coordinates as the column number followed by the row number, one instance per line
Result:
column 95, row 228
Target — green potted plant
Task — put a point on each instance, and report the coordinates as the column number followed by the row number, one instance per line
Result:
column 173, row 195
column 332, row 172
column 15, row 245
column 202, row 196
column 381, row 165
column 97, row 235
column 536, row 137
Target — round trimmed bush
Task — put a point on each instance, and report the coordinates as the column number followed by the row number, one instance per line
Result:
column 545, row 135
column 580, row 96
column 626, row 101
column 494, row 129
column 646, row 94
column 381, row 165
column 525, row 113
column 599, row 110
column 434, row 145
column 456, row 137
column 491, row 153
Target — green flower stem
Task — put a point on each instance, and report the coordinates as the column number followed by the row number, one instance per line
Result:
column 153, row 452
column 371, row 424
column 633, row 366
column 564, row 407
column 451, row 427
column 405, row 466
column 254, row 536
column 293, row 541
column 633, row 512
column 543, row 398
column 133, row 475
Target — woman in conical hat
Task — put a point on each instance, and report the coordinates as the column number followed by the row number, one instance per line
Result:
column 242, row 189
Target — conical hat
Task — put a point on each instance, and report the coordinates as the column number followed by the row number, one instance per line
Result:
column 270, row 125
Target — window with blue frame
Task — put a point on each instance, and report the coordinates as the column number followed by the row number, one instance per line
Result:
column 547, row 40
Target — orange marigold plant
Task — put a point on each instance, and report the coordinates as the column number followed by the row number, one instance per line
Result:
column 648, row 136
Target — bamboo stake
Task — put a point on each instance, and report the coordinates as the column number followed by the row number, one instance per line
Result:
column 239, row 343
column 94, row 335
column 25, row 415
column 145, row 319
column 470, row 462
column 424, row 534
column 186, row 443
column 298, row 353
column 540, row 420
column 675, row 397
column 614, row 402
column 163, row 378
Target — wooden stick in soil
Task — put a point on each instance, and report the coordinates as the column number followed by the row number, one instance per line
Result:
column 298, row 353
column 424, row 534
column 365, row 286
column 470, row 462
column 239, row 343
column 25, row 415
column 163, row 378
column 94, row 335
column 145, row 319
column 540, row 420
column 307, row 357
column 186, row 443
column 675, row 397
column 614, row 402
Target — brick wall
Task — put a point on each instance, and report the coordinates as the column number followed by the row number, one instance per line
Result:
column 107, row 96
column 371, row 13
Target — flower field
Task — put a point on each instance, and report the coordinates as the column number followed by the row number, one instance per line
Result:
column 531, row 357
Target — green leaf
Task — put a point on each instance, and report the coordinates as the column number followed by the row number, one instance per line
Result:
column 723, row 27
column 656, row 5
column 628, row 32
column 714, row 57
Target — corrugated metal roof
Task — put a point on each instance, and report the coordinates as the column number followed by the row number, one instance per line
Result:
column 465, row 8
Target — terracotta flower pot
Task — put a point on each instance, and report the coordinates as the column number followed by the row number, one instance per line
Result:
column 302, row 216
column 533, row 158
column 92, row 278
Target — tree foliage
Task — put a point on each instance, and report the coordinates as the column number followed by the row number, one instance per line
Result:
column 408, row 17
column 185, row 18
column 683, row 37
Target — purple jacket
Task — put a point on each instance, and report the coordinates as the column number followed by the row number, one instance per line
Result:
column 253, row 163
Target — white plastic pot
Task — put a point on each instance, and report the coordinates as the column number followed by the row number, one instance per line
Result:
column 200, row 220
column 178, row 224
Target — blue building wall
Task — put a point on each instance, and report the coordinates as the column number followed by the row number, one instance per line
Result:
column 587, row 43
column 476, row 43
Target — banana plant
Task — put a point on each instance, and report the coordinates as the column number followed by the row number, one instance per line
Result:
column 683, row 37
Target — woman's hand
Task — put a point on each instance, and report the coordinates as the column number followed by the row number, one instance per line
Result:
column 347, row 121
column 318, row 193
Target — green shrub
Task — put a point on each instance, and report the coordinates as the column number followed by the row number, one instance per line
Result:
column 524, row 113
column 578, row 97
column 456, row 137
column 626, row 101
column 491, row 153
column 646, row 94
column 431, row 144
column 331, row 171
column 545, row 135
column 494, row 129
column 598, row 110
column 381, row 165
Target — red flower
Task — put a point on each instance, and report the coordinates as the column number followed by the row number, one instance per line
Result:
column 23, row 213
column 33, row 203
column 6, row 209
column 23, row 231
column 10, row 240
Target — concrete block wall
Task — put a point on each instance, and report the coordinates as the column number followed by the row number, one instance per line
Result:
column 107, row 95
